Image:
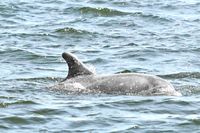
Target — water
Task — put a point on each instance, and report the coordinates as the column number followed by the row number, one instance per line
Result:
column 149, row 36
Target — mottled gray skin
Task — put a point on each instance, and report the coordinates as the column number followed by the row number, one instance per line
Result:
column 82, row 80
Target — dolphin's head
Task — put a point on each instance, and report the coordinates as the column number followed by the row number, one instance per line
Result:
column 75, row 66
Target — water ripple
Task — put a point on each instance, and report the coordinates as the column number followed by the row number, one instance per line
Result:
column 16, row 120
column 101, row 11
column 48, row 111
column 153, row 17
column 68, row 30
column 19, row 102
column 182, row 75
column 157, row 37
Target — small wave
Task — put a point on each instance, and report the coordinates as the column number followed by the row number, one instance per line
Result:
column 15, row 120
column 6, row 97
column 101, row 11
column 131, row 44
column 18, row 51
column 195, row 121
column 92, row 51
column 191, row 121
column 21, row 54
column 47, row 111
column 97, row 61
column 169, row 7
column 125, row 71
column 22, row 120
column 56, row 79
column 20, row 102
column 3, row 127
column 72, row 31
column 152, row 17
column 181, row 75
column 176, row 102
column 133, row 102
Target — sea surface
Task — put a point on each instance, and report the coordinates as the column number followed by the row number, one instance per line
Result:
column 159, row 37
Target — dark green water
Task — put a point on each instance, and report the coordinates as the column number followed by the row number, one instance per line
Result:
column 150, row 36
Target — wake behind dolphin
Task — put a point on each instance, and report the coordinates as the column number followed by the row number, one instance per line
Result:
column 81, row 80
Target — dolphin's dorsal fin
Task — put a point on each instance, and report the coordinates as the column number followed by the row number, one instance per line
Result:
column 75, row 66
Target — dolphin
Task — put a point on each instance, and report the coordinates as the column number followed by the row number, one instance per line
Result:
column 81, row 80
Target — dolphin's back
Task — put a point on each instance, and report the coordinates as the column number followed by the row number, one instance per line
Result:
column 124, row 84
column 132, row 84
